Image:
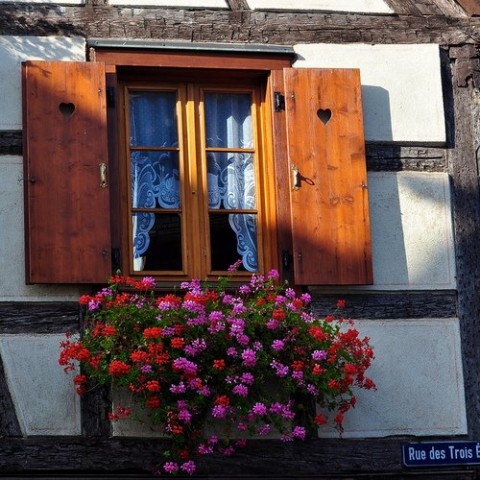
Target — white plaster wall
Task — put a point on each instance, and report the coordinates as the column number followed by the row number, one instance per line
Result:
column 16, row 49
column 401, row 87
column 44, row 396
column 362, row 6
column 418, row 372
column 412, row 230
column 173, row 3
column 12, row 245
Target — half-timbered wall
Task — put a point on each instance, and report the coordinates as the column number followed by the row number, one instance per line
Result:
column 419, row 73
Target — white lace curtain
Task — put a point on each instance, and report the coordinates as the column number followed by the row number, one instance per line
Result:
column 231, row 176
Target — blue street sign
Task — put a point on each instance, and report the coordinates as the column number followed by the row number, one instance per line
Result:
column 441, row 453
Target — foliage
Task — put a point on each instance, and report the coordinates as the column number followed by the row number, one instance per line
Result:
column 212, row 356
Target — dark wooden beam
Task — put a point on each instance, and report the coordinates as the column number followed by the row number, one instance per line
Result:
column 322, row 458
column 270, row 27
column 38, row 317
column 390, row 305
column 11, row 142
column 465, row 164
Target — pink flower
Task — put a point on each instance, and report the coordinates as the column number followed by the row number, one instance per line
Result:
column 240, row 390
column 259, row 409
column 299, row 432
column 249, row 357
column 188, row 467
column 170, row 467
column 278, row 345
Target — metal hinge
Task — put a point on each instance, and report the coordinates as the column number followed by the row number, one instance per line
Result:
column 111, row 97
column 279, row 101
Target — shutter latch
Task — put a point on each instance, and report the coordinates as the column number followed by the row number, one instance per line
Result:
column 287, row 258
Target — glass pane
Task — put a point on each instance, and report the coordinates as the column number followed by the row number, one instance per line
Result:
column 153, row 119
column 231, row 180
column 228, row 120
column 155, row 179
column 157, row 242
column 233, row 237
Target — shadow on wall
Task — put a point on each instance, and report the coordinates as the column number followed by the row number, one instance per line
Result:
column 377, row 113
column 14, row 50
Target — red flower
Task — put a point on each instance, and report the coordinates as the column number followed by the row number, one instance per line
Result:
column 333, row 384
column 117, row 368
column 94, row 361
column 153, row 386
column 297, row 303
column 139, row 356
column 341, row 303
column 317, row 333
column 222, row 400
column 84, row 299
column 80, row 379
column 219, row 364
column 109, row 331
column 297, row 365
column 278, row 314
column 153, row 332
column 320, row 419
column 350, row 369
column 369, row 384
column 177, row 342
column 339, row 419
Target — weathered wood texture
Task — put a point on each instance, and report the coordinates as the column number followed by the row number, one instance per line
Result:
column 11, row 143
column 380, row 157
column 102, row 21
column 393, row 305
column 95, row 407
column 392, row 158
column 466, row 202
column 38, row 317
column 260, row 459
column 9, row 426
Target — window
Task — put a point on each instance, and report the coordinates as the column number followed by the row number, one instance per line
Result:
column 193, row 153
column 201, row 160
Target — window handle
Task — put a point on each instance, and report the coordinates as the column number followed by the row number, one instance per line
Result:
column 103, row 174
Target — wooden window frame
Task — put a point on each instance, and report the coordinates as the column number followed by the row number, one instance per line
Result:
column 125, row 67
column 196, row 250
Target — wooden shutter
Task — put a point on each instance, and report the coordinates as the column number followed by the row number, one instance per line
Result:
column 65, row 147
column 329, row 195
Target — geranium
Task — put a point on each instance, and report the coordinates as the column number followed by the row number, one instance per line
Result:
column 208, row 356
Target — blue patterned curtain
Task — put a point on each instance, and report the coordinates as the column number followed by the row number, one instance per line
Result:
column 155, row 175
column 231, row 176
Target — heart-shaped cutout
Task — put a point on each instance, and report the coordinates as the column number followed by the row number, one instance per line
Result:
column 66, row 109
column 324, row 115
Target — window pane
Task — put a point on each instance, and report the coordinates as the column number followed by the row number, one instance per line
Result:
column 155, row 179
column 231, row 180
column 153, row 119
column 157, row 242
column 228, row 120
column 233, row 237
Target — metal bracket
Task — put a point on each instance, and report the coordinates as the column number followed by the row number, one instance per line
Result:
column 279, row 101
